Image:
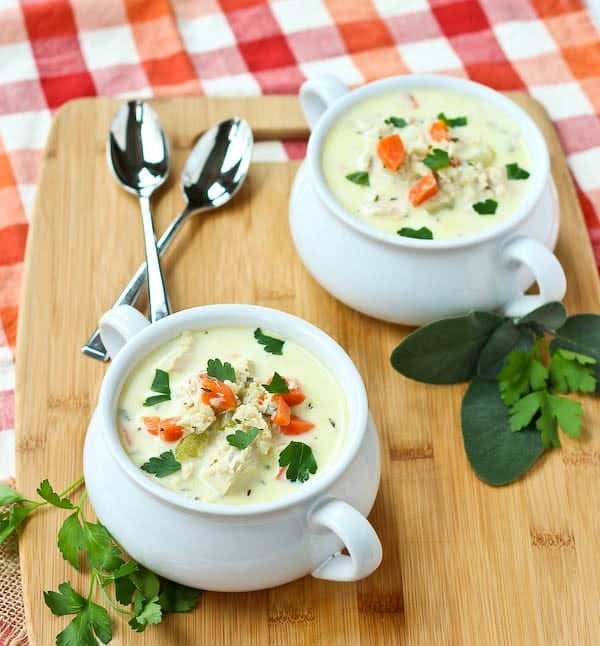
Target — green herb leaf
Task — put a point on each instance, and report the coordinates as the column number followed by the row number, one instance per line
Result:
column 546, row 424
column 124, row 590
column 160, row 385
column 8, row 496
column 77, row 633
column 98, row 617
column 437, row 159
column 487, row 207
column 241, row 439
column 446, row 351
column 299, row 460
column 497, row 455
column 66, row 601
column 397, row 122
column 422, row 234
column 521, row 374
column 452, row 123
column 506, row 338
column 175, row 597
column 571, row 372
column 581, row 334
column 103, row 553
column 514, row 171
column 547, row 318
column 125, row 570
column 523, row 411
column 278, row 385
column 359, row 177
column 568, row 413
column 71, row 539
column 270, row 343
column 146, row 583
column 150, row 613
column 162, row 466
column 220, row 371
column 13, row 519
column 46, row 492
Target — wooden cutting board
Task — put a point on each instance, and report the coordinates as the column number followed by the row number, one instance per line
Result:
column 464, row 563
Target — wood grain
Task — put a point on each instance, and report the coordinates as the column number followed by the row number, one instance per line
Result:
column 464, row 563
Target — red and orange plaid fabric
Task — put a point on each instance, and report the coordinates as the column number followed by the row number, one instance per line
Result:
column 55, row 50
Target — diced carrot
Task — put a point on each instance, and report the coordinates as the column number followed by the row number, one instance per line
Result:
column 439, row 131
column 391, row 152
column 282, row 414
column 168, row 428
column 425, row 188
column 152, row 424
column 297, row 426
column 294, row 397
column 280, row 472
column 217, row 394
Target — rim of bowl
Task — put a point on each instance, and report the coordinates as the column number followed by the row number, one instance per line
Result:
column 292, row 328
column 535, row 142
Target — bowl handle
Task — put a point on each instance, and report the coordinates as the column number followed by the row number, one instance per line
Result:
column 546, row 269
column 317, row 94
column 357, row 534
column 118, row 325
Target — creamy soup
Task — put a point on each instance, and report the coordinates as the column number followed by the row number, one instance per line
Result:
column 427, row 164
column 232, row 415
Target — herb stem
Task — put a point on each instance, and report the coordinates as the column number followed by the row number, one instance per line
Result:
column 81, row 502
column 91, row 588
column 112, row 604
column 72, row 487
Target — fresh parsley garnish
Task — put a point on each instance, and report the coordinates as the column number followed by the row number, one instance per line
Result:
column 299, row 460
column 571, row 372
column 270, row 343
column 359, row 177
column 487, row 207
column 80, row 541
column 278, row 385
column 164, row 465
column 221, row 371
column 421, row 234
column 397, row 122
column 437, row 159
column 514, row 171
column 242, row 439
column 160, row 385
column 452, row 123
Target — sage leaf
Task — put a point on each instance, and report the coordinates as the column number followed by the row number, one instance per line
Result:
column 445, row 351
column 581, row 333
column 506, row 338
column 498, row 456
column 548, row 317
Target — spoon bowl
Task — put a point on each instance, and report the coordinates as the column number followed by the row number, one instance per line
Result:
column 137, row 149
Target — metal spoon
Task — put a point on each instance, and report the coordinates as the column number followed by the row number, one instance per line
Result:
column 214, row 172
column 139, row 157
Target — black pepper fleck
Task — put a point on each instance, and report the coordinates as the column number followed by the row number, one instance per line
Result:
column 332, row 422
column 249, row 492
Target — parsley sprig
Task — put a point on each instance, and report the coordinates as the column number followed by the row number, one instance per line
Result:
column 139, row 595
column 160, row 385
column 219, row 370
column 163, row 465
column 299, row 460
column 278, row 385
column 437, row 159
column 270, row 343
column 242, row 439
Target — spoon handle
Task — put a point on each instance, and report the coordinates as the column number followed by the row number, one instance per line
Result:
column 94, row 347
column 158, row 303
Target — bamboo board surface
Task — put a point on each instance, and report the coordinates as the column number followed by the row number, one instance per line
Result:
column 464, row 563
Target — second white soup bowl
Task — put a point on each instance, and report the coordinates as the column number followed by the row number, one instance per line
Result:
column 227, row 547
column 416, row 281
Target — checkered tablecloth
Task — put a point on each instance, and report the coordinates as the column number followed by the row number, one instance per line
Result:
column 55, row 50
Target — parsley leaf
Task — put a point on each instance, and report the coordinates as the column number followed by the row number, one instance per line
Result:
column 278, row 385
column 546, row 424
column 164, row 465
column 46, row 492
column 241, row 439
column 77, row 633
column 397, row 122
column 299, row 460
column 514, row 171
column 487, row 207
column 452, row 123
column 220, row 371
column 98, row 617
column 359, row 177
column 270, row 343
column 571, row 372
column 175, row 597
column 160, row 385
column 437, row 159
column 521, row 373
column 103, row 554
column 8, row 495
column 71, row 539
column 11, row 521
column 421, row 234
column 66, row 601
